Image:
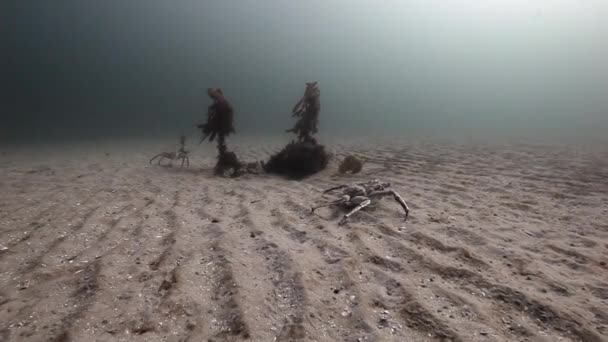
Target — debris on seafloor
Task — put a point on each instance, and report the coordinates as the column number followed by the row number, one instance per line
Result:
column 220, row 123
column 307, row 109
column 350, row 164
column 229, row 165
column 305, row 156
column 298, row 160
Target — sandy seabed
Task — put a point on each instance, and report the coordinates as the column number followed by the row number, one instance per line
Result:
column 505, row 242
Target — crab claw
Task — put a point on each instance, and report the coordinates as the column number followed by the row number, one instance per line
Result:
column 343, row 221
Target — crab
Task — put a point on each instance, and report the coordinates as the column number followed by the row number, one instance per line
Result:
column 183, row 155
column 360, row 195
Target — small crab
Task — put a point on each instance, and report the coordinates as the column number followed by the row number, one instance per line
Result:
column 173, row 156
column 359, row 195
column 182, row 154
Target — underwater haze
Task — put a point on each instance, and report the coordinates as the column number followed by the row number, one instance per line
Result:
column 76, row 69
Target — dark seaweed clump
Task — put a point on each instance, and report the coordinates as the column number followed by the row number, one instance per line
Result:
column 298, row 160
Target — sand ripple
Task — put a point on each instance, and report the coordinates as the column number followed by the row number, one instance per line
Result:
column 505, row 243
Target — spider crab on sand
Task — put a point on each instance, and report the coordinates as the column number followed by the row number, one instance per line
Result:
column 181, row 154
column 360, row 195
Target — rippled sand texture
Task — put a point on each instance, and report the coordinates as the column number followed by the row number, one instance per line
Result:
column 505, row 243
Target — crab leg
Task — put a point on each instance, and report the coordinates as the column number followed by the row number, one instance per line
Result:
column 397, row 198
column 402, row 203
column 357, row 208
column 341, row 200
column 156, row 156
column 335, row 188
